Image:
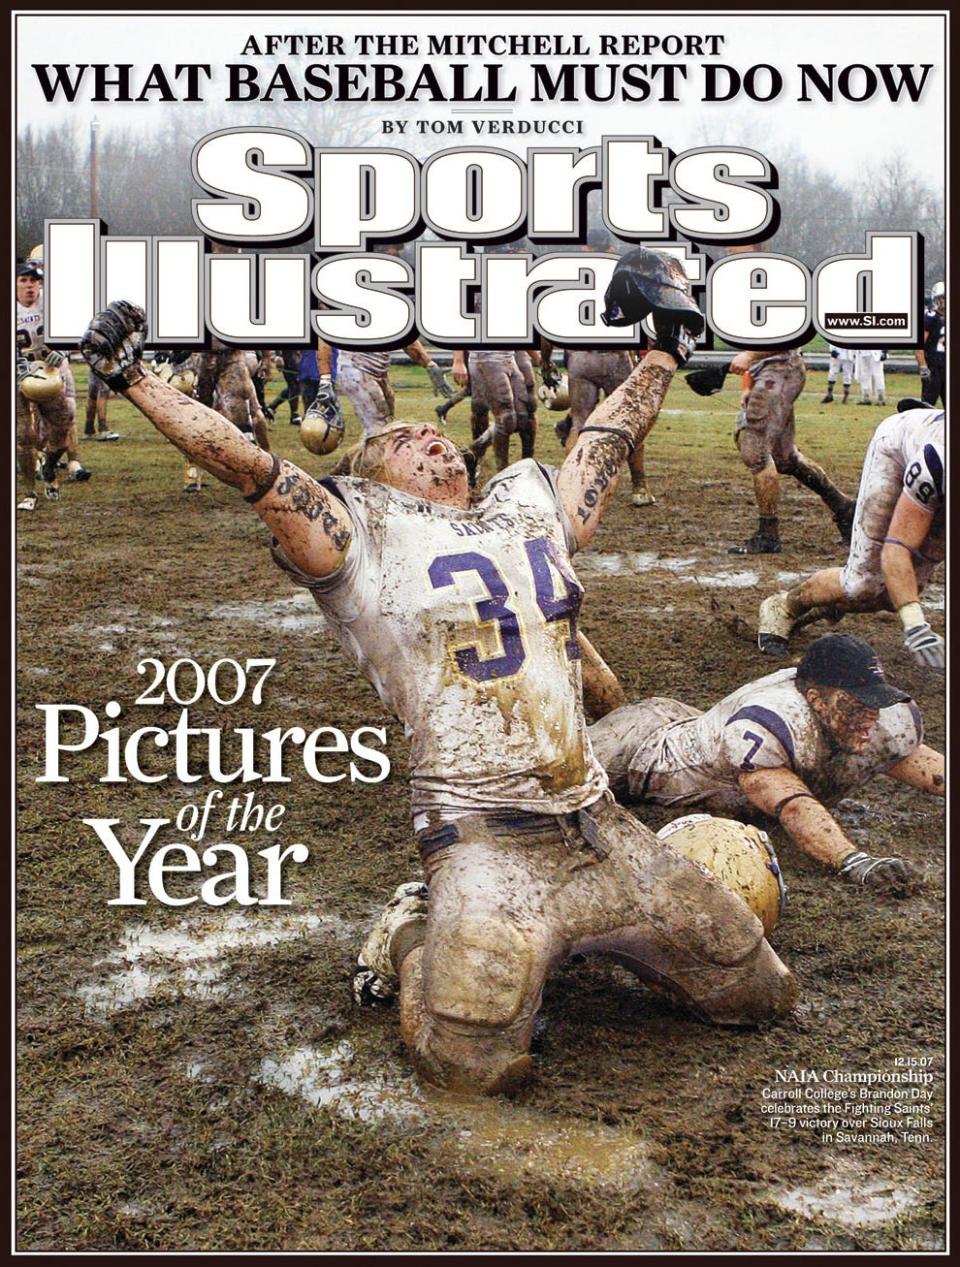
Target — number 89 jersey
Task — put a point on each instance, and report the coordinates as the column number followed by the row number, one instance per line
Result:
column 465, row 623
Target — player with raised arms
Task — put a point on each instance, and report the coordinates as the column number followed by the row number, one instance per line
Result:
column 463, row 618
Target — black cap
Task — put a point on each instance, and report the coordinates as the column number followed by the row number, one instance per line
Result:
column 852, row 665
column 30, row 268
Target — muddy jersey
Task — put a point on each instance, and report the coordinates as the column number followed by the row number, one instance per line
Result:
column 29, row 328
column 465, row 623
column 376, row 363
column 764, row 725
column 913, row 444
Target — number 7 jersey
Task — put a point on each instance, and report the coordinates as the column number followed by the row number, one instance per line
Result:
column 465, row 623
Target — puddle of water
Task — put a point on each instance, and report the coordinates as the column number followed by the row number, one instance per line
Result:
column 491, row 1135
column 627, row 563
column 852, row 1206
column 299, row 611
column 192, row 961
column 724, row 580
column 634, row 563
column 510, row 1141
column 330, row 1078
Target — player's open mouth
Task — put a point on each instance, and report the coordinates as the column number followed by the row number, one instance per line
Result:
column 435, row 448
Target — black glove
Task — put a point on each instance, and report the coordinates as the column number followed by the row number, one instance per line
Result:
column 709, row 380
column 112, row 345
column 675, row 338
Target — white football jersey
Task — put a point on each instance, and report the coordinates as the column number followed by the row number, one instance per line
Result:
column 465, row 623
column 376, row 363
column 766, row 724
column 914, row 441
column 29, row 327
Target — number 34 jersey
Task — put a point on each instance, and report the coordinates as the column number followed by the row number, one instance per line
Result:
column 465, row 623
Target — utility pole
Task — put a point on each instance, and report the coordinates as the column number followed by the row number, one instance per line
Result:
column 94, row 127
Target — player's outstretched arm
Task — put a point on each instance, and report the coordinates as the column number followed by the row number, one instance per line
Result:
column 924, row 768
column 591, row 469
column 644, row 284
column 312, row 527
column 908, row 530
column 784, row 796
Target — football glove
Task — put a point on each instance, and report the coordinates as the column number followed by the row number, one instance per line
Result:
column 891, row 874
column 924, row 372
column 326, row 393
column 53, row 360
column 549, row 374
column 926, row 647
column 112, row 345
column 438, row 381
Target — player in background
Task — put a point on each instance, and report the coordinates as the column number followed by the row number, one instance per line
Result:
column 764, row 434
column 50, row 425
column 841, row 366
column 290, row 367
column 98, row 396
column 593, row 374
column 363, row 377
column 870, row 376
column 236, row 396
column 932, row 357
column 463, row 618
column 783, row 748
column 898, row 539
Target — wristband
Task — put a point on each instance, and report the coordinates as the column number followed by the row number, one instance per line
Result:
column 625, row 436
column 262, row 489
column 911, row 615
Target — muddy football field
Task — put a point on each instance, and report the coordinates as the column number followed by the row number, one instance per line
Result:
column 197, row 1078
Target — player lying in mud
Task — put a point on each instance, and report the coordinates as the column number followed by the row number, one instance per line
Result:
column 463, row 618
column 782, row 748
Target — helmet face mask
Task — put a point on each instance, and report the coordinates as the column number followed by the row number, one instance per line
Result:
column 556, row 396
column 322, row 428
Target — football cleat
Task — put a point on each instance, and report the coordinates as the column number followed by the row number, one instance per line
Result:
column 376, row 979
column 79, row 474
column 759, row 543
column 775, row 625
column 28, row 503
column 642, row 497
column 51, row 492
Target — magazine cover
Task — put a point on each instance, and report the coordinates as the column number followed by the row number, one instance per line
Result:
column 479, row 518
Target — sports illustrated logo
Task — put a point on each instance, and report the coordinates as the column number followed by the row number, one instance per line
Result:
column 463, row 291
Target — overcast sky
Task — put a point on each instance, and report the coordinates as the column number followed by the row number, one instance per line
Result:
column 844, row 137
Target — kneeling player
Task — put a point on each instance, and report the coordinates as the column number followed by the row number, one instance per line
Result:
column 897, row 541
column 528, row 857
column 785, row 747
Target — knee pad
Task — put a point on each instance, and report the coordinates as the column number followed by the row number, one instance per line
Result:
column 754, row 450
column 477, row 972
column 699, row 917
